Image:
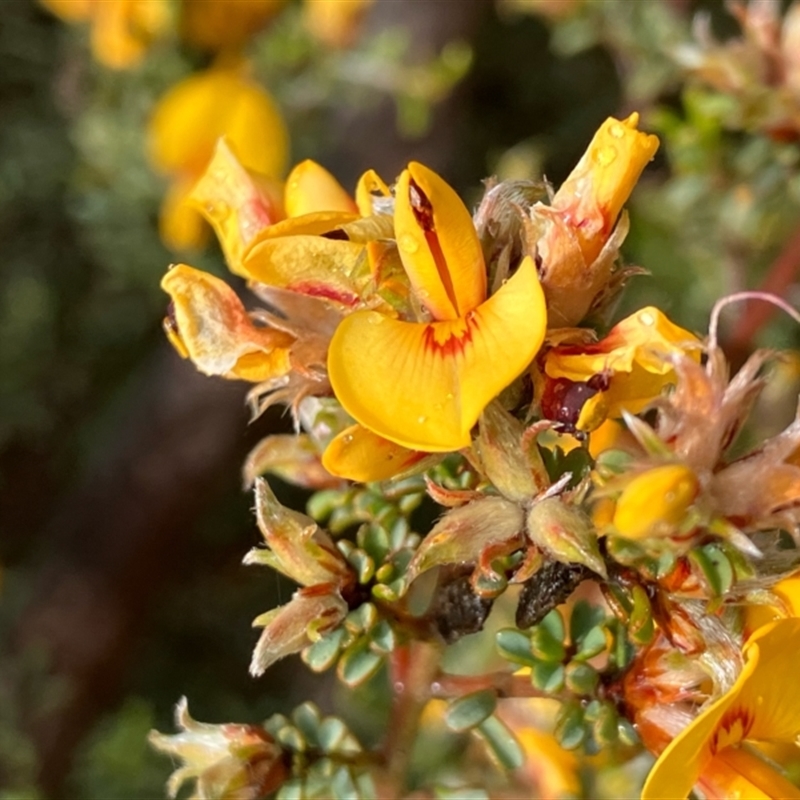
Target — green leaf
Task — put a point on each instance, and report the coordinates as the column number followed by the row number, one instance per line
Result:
column 382, row 638
column 581, row 679
column 330, row 734
column 553, row 623
column 515, row 646
column 502, row 743
column 322, row 655
column 342, row 785
column 362, row 618
column 548, row 677
column 605, row 726
column 375, row 541
column 547, row 638
column 583, row 619
column 468, row 711
column 591, row 644
column 627, row 733
column 306, row 718
column 358, row 663
column 570, row 730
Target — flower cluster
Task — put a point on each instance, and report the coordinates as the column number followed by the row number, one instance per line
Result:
column 425, row 350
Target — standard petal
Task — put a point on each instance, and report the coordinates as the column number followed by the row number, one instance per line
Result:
column 210, row 325
column 438, row 244
column 424, row 385
column 310, row 187
column 360, row 455
column 370, row 187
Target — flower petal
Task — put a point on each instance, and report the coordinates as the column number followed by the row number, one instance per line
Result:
column 360, row 455
column 180, row 226
column 424, row 385
column 210, row 326
column 370, row 186
column 438, row 244
column 238, row 203
column 310, row 187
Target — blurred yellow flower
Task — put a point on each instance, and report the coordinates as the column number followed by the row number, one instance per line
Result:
column 424, row 384
column 625, row 371
column 225, row 24
column 122, row 30
column 335, row 22
column 762, row 705
column 185, row 127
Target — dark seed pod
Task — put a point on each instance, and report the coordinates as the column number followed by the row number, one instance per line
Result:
column 553, row 583
column 456, row 610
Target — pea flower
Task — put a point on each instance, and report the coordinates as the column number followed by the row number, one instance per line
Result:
column 335, row 23
column 184, row 129
column 575, row 236
column 762, row 705
column 224, row 24
column 122, row 30
column 625, row 371
column 423, row 384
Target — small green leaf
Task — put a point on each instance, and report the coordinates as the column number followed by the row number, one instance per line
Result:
column 627, row 733
column 501, row 743
column 358, row 663
column 330, row 733
column 322, row 655
column 307, row 719
column 362, row 564
column 468, row 711
column 590, row 645
column 641, row 627
column 570, row 729
column 515, row 646
column 292, row 739
column 375, row 541
column 547, row 638
column 583, row 619
column 605, row 726
column 548, row 677
column 581, row 679
column 342, row 785
column 382, row 637
column 362, row 618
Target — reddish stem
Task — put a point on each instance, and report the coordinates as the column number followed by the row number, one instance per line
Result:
column 755, row 316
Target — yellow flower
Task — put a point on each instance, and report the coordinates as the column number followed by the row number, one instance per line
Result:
column 225, row 24
column 762, row 705
column 185, row 127
column 655, row 502
column 424, row 384
column 625, row 371
column 578, row 225
column 122, row 30
column 787, row 592
column 209, row 324
column 335, row 22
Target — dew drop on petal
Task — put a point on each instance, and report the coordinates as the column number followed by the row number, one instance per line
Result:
column 616, row 130
column 348, row 438
column 422, row 419
column 408, row 243
column 646, row 318
column 605, row 156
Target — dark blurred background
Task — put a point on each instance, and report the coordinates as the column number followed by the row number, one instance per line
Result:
column 122, row 517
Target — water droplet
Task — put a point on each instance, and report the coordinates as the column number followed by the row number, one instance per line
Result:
column 646, row 318
column 408, row 243
column 422, row 419
column 616, row 130
column 606, row 156
column 376, row 318
column 348, row 438
column 448, row 396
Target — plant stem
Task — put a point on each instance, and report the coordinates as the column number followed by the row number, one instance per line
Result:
column 414, row 668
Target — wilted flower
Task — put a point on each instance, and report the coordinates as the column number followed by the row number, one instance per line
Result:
column 225, row 761
column 575, row 236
